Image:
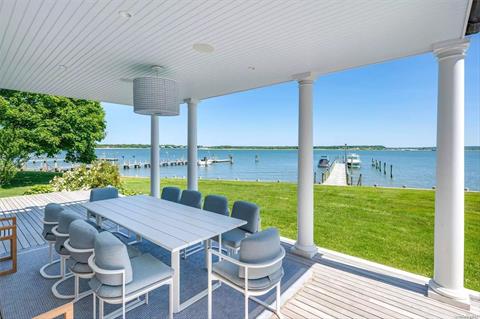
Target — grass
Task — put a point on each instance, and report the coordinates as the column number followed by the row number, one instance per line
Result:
column 23, row 181
column 390, row 226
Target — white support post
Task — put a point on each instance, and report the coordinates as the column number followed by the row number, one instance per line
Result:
column 304, row 245
column 192, row 167
column 154, row 158
column 447, row 283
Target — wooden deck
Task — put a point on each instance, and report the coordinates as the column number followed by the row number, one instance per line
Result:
column 337, row 175
column 29, row 213
column 340, row 286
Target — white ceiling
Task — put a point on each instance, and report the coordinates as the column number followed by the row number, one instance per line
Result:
column 103, row 51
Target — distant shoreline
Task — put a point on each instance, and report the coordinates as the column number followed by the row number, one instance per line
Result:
column 281, row 148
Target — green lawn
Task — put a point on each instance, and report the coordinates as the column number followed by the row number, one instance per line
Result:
column 390, row 226
column 23, row 181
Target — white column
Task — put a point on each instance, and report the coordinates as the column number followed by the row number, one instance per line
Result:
column 447, row 283
column 154, row 158
column 192, row 167
column 305, row 245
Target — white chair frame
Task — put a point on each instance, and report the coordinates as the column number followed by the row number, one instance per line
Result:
column 124, row 299
column 246, row 292
column 77, row 294
column 64, row 275
column 51, row 262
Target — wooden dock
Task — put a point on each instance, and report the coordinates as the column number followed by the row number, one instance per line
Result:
column 340, row 286
column 337, row 175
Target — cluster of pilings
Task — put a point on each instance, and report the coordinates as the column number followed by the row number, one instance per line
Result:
column 377, row 164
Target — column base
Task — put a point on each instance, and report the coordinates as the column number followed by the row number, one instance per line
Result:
column 304, row 251
column 460, row 299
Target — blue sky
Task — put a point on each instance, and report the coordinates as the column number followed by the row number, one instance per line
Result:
column 391, row 104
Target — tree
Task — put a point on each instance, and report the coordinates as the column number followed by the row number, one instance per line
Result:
column 40, row 124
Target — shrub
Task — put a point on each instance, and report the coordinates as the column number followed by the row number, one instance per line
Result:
column 98, row 174
column 39, row 189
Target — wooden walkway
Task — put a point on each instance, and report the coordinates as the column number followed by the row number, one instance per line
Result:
column 337, row 175
column 29, row 212
column 340, row 286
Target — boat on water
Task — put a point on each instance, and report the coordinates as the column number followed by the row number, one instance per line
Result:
column 323, row 162
column 353, row 160
column 205, row 162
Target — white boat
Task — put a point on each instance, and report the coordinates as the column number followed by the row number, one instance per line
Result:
column 204, row 162
column 353, row 160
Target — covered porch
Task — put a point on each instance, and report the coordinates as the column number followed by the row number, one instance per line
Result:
column 96, row 50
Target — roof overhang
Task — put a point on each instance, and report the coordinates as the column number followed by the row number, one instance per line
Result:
column 93, row 50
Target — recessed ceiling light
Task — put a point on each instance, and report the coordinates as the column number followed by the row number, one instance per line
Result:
column 125, row 14
column 157, row 68
column 203, row 47
column 62, row 67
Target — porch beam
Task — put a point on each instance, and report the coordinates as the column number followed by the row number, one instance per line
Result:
column 304, row 245
column 447, row 283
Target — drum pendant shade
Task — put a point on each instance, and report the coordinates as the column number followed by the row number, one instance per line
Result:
column 155, row 96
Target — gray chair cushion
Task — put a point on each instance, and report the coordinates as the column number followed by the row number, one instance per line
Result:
column 78, row 268
column 191, row 198
column 82, row 236
column 51, row 214
column 216, row 204
column 49, row 236
column 147, row 270
column 103, row 193
column 248, row 212
column 171, row 194
column 229, row 272
column 233, row 238
column 260, row 248
column 112, row 254
column 64, row 221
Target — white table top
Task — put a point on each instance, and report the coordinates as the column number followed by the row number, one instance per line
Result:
column 170, row 225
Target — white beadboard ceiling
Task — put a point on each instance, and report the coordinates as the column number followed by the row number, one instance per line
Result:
column 256, row 43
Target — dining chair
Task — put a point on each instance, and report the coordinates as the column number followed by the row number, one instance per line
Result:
column 249, row 212
column 171, row 194
column 103, row 193
column 254, row 272
column 119, row 279
column 215, row 204
column 80, row 245
column 191, row 198
column 61, row 232
column 51, row 214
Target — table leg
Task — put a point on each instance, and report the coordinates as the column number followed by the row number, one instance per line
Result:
column 206, row 246
column 175, row 263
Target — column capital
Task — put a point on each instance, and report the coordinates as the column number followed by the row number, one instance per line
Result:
column 304, row 78
column 191, row 101
column 450, row 48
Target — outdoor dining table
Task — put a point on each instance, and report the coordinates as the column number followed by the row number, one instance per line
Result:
column 169, row 225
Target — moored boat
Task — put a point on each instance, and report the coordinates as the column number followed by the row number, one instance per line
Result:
column 353, row 160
